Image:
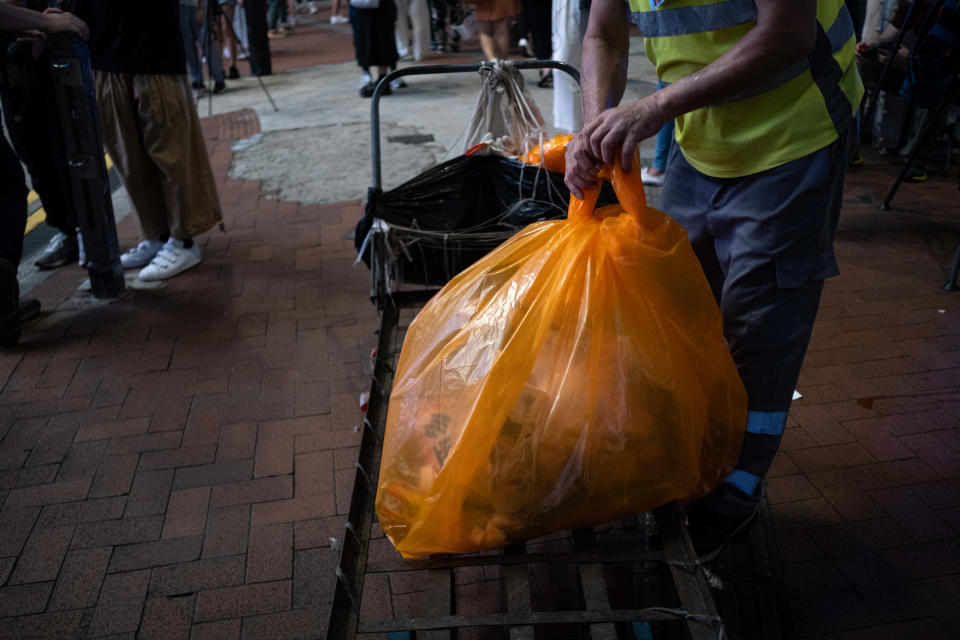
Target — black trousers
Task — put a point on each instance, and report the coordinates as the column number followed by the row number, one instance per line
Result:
column 538, row 20
column 34, row 128
column 13, row 204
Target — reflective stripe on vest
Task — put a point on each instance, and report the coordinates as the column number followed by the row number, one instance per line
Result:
column 681, row 21
column 839, row 34
column 781, row 116
column 827, row 75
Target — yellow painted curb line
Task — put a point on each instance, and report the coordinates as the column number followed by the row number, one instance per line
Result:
column 34, row 220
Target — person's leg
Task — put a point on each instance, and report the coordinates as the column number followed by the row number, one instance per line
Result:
column 653, row 175
column 441, row 31
column 211, row 49
column 773, row 233
column 420, row 19
column 189, row 33
column 229, row 12
column 30, row 116
column 13, row 205
column 291, row 20
column 174, row 143
column 122, row 131
column 13, row 220
column 273, row 14
column 539, row 23
column 28, row 113
column 664, row 142
column 402, row 27
column 501, row 38
column 487, row 43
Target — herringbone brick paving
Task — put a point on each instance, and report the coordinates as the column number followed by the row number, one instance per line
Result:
column 167, row 463
column 175, row 464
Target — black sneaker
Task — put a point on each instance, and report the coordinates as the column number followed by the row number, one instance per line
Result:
column 711, row 531
column 219, row 88
column 366, row 91
column 233, row 74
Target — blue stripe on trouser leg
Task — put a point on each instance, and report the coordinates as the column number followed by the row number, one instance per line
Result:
column 746, row 482
column 765, row 243
column 770, row 423
column 760, row 443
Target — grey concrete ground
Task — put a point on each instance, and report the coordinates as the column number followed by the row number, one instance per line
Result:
column 316, row 148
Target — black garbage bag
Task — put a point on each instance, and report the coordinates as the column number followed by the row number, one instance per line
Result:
column 450, row 216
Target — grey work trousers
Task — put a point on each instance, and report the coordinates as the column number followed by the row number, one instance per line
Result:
column 765, row 242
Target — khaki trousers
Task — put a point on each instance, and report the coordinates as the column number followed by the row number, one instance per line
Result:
column 152, row 133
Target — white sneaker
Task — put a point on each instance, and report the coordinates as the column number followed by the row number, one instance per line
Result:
column 172, row 259
column 649, row 180
column 313, row 7
column 337, row 19
column 141, row 254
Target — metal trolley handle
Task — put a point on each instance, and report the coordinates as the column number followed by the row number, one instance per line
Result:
column 437, row 69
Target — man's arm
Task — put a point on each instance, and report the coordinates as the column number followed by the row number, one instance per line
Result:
column 50, row 21
column 786, row 32
column 603, row 78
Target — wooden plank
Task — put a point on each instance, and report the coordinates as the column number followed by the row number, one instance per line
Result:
column 397, row 564
column 594, row 586
column 518, row 591
column 518, row 599
column 653, row 614
column 704, row 622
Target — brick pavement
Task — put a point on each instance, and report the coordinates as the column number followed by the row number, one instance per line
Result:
column 866, row 490
column 174, row 464
column 169, row 461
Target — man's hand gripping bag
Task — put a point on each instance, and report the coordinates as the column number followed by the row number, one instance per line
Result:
column 575, row 375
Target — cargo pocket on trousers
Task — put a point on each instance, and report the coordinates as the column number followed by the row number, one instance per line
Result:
column 795, row 271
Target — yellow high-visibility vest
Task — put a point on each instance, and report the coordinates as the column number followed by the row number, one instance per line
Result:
column 791, row 114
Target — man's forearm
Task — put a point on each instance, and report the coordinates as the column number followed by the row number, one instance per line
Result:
column 606, row 45
column 764, row 51
column 19, row 19
column 604, row 76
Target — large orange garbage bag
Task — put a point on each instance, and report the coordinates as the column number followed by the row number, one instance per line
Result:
column 575, row 375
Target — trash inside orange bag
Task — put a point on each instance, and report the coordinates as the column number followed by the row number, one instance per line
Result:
column 575, row 375
column 553, row 152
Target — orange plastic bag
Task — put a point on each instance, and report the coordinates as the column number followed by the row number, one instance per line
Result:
column 575, row 375
column 553, row 154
